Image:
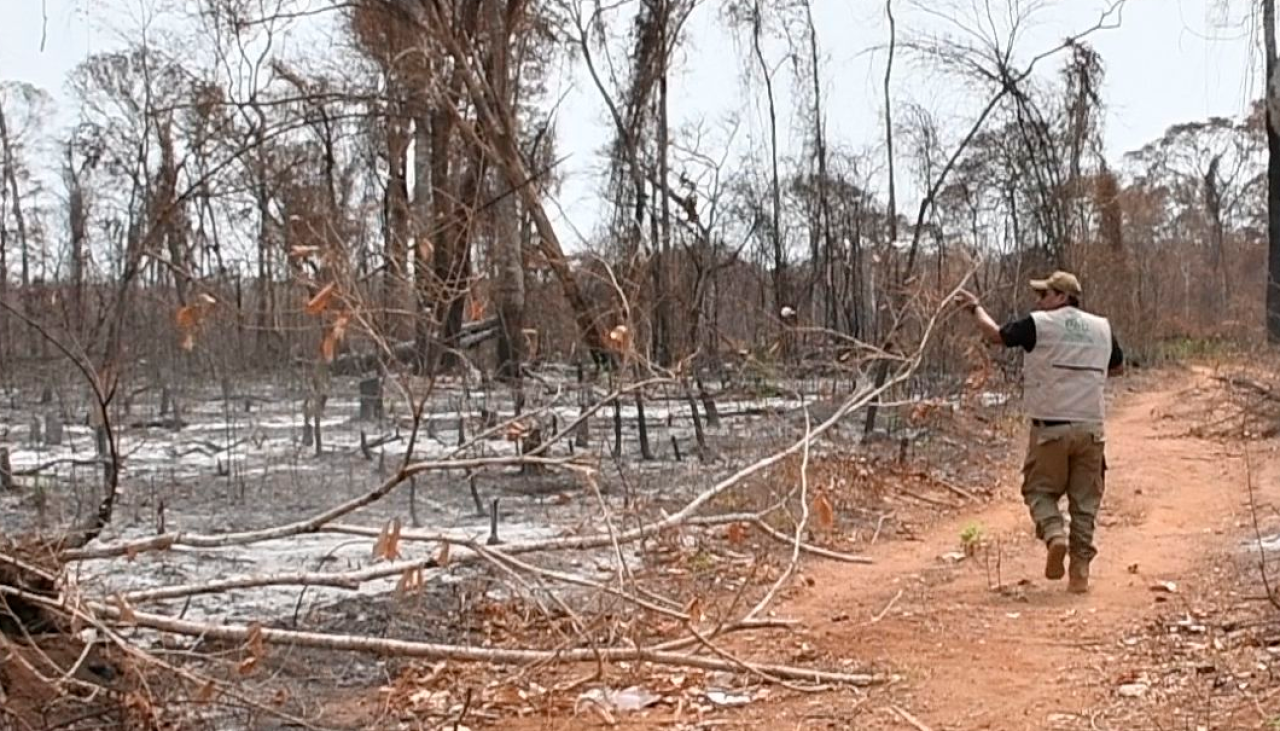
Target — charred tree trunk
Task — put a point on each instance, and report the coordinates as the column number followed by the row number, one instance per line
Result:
column 10, row 184
column 780, row 295
column 509, row 287
column 662, row 265
column 423, row 273
column 1273, row 171
column 174, row 223
column 395, row 277
column 77, row 224
column 882, row 369
column 830, row 312
column 266, row 292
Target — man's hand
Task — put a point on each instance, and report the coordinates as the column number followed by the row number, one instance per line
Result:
column 966, row 299
column 988, row 327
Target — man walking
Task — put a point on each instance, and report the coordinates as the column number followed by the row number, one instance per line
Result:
column 1069, row 354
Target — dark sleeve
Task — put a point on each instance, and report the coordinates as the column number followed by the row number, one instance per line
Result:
column 1117, row 355
column 1019, row 334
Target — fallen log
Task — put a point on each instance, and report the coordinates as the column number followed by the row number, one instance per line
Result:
column 406, row 351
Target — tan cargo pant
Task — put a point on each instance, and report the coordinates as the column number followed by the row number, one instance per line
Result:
column 1065, row 460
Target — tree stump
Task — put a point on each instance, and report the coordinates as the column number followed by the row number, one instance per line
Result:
column 6, row 470
column 531, row 442
column 308, row 432
column 708, row 406
column 371, row 399
column 53, row 428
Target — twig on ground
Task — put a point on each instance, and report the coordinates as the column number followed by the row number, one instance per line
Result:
column 887, row 608
column 910, row 719
column 1257, row 529
column 753, row 670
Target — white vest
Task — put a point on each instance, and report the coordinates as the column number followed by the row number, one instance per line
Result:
column 1064, row 374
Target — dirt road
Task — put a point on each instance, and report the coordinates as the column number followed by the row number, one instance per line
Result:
column 987, row 642
column 1031, row 656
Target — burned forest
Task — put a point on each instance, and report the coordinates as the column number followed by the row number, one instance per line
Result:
column 464, row 364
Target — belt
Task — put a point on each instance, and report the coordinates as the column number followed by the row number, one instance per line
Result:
column 1049, row 422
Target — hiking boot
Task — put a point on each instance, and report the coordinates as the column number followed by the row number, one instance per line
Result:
column 1078, row 582
column 1053, row 568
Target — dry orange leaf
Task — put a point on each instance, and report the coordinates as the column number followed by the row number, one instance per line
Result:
column 188, row 317
column 206, row 692
column 329, row 346
column 388, row 544
column 620, row 337
column 736, row 533
column 320, row 302
column 823, row 512
column 442, row 558
column 188, row 320
column 126, row 612
column 247, row 665
column 694, row 610
column 256, row 643
column 410, row 580
column 517, row 430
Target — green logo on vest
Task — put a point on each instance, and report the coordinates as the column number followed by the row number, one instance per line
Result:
column 1076, row 329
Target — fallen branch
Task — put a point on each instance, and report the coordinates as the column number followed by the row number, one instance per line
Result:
column 951, row 486
column 27, row 567
column 758, row 521
column 600, row 541
column 32, row 471
column 915, row 722
column 887, row 608
column 746, row 625
column 1249, row 384
column 314, row 524
column 750, row 669
column 515, row 563
column 434, row 651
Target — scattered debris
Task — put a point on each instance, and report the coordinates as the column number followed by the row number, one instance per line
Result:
column 633, row 698
column 1133, row 690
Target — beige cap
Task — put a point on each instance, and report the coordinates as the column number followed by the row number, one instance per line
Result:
column 1059, row 281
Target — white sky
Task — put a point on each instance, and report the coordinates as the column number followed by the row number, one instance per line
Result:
column 1170, row 61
